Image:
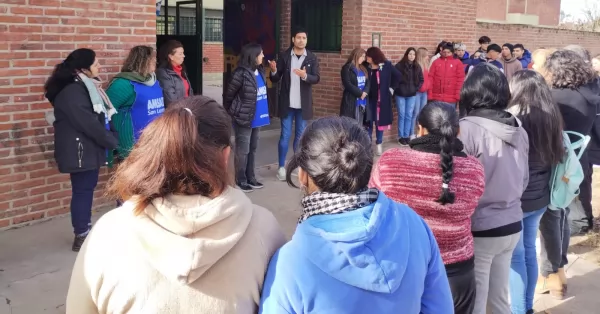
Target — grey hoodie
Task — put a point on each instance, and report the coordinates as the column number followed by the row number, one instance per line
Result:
column 503, row 150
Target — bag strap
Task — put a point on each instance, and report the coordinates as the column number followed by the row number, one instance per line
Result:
column 580, row 144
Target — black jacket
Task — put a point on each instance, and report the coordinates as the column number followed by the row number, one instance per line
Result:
column 594, row 146
column 80, row 136
column 313, row 76
column 351, row 91
column 578, row 107
column 409, row 85
column 240, row 97
column 537, row 193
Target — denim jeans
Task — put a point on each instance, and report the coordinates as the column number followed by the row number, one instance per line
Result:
column 406, row 108
column 82, row 186
column 246, row 142
column 524, row 267
column 555, row 235
column 378, row 134
column 420, row 103
column 294, row 117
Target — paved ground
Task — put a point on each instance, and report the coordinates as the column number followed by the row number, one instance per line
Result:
column 36, row 261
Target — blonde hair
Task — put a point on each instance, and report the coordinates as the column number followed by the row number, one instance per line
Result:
column 538, row 57
column 422, row 55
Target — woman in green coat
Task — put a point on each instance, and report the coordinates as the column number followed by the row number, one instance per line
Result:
column 137, row 97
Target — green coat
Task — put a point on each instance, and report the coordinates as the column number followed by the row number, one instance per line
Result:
column 122, row 95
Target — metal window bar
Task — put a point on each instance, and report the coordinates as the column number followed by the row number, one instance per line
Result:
column 213, row 29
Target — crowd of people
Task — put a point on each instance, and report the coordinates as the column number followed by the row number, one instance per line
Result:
column 446, row 224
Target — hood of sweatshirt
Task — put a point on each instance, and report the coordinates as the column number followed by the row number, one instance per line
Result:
column 511, row 60
column 502, row 124
column 591, row 92
column 147, row 80
column 184, row 236
column 366, row 248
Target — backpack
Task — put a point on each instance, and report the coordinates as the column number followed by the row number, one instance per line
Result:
column 567, row 175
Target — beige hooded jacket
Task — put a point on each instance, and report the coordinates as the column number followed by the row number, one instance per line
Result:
column 183, row 254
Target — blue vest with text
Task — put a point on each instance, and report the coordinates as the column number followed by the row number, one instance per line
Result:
column 148, row 105
column 261, row 116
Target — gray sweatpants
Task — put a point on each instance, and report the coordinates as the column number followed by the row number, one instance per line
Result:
column 492, row 269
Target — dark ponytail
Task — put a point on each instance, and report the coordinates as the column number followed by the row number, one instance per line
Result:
column 442, row 120
column 65, row 72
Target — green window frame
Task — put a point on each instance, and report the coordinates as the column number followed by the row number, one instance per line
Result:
column 322, row 19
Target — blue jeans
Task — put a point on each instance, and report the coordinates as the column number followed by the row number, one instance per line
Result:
column 378, row 134
column 286, row 132
column 420, row 103
column 524, row 267
column 83, row 185
column 406, row 108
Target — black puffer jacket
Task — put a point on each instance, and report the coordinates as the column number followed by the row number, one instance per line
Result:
column 240, row 98
column 412, row 79
column 351, row 90
column 80, row 137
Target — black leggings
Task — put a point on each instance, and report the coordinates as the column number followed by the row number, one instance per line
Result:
column 462, row 285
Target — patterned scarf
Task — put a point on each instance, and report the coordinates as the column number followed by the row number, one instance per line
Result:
column 322, row 203
column 98, row 96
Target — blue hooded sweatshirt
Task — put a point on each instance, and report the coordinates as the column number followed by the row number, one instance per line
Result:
column 526, row 60
column 378, row 259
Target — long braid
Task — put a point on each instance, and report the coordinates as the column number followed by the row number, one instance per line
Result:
column 447, row 162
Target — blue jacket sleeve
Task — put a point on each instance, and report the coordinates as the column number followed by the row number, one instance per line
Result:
column 274, row 298
column 437, row 297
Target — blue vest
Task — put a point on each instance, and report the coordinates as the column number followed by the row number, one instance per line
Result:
column 148, row 105
column 361, row 78
column 261, row 115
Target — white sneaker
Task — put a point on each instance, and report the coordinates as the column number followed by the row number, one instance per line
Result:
column 379, row 149
column 412, row 137
column 281, row 174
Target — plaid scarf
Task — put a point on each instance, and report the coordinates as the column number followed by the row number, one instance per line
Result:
column 322, row 203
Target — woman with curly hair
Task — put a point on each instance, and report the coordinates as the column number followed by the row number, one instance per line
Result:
column 571, row 80
column 136, row 95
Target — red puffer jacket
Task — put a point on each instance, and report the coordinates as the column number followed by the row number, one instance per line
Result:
column 447, row 76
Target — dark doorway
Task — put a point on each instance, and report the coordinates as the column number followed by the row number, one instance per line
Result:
column 247, row 21
column 181, row 20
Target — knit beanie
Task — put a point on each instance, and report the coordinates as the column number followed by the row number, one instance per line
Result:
column 510, row 47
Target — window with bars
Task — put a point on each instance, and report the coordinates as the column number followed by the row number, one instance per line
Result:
column 213, row 27
column 322, row 19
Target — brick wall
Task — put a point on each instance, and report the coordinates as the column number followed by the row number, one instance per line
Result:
column 34, row 36
column 536, row 37
column 214, row 53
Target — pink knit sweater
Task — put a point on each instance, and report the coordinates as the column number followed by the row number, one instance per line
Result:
column 415, row 178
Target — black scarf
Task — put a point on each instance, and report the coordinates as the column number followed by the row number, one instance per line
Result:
column 322, row 203
column 430, row 143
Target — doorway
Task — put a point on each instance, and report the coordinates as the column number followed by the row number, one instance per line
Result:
column 251, row 21
column 182, row 20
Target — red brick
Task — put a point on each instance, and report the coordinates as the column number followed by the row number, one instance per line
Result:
column 4, row 223
column 13, row 213
column 26, row 11
column 58, row 195
column 28, row 217
column 30, row 200
column 12, row 19
column 44, row 206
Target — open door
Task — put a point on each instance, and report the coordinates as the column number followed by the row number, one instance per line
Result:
column 247, row 21
column 181, row 20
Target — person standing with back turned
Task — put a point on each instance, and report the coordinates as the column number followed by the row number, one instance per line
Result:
column 298, row 71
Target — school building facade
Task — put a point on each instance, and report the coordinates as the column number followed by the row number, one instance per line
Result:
column 37, row 34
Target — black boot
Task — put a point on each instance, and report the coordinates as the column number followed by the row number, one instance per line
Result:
column 78, row 242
